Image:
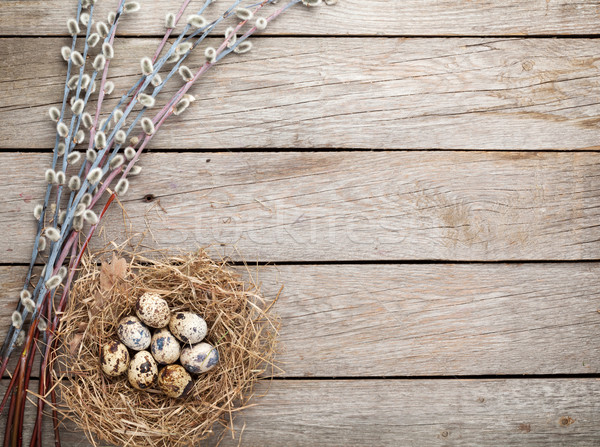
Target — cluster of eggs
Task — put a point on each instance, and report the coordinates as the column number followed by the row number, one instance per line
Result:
column 177, row 337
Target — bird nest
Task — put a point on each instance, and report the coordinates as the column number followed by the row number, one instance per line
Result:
column 240, row 326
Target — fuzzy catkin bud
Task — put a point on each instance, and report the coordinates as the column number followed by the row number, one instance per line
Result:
column 183, row 47
column 243, row 47
column 84, row 18
column 111, row 17
column 73, row 158
column 102, row 29
column 311, row 2
column 134, row 141
column 180, row 107
column 90, row 217
column 147, row 67
column 60, row 149
column 73, row 27
column 156, row 80
column 261, row 23
column 79, row 137
column 60, row 178
column 72, row 83
column 78, row 223
column 52, row 208
column 147, row 126
column 197, row 21
column 99, row 62
column 42, row 243
column 190, row 98
column 122, row 187
column 210, row 54
column 131, row 7
column 231, row 36
column 42, row 325
column 25, row 294
column 129, row 153
column 120, row 137
column 86, row 200
column 243, row 13
column 77, row 107
column 20, row 341
column 52, row 233
column 146, row 100
column 79, row 210
column 93, row 39
column 74, row 183
column 50, row 176
column 61, row 217
column 29, row 304
column 85, row 81
column 90, row 155
column 37, row 211
column 118, row 114
column 109, row 87
column 62, row 272
column 17, row 319
column 100, row 140
column 62, row 129
column 77, row 58
column 54, row 113
column 186, row 73
column 65, row 52
column 170, row 21
column 94, row 175
column 108, row 50
column 105, row 124
column 116, row 162
column 135, row 170
column 173, row 58
column 53, row 282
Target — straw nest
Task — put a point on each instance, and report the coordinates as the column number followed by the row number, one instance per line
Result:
column 109, row 409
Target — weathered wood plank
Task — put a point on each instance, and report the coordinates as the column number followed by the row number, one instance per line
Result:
column 381, row 17
column 558, row 412
column 332, row 206
column 516, row 94
column 419, row 320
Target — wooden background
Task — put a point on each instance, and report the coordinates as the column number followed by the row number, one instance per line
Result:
column 421, row 175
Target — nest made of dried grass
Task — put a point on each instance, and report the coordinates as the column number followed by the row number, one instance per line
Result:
column 110, row 410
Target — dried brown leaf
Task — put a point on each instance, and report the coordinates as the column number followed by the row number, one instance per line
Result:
column 111, row 273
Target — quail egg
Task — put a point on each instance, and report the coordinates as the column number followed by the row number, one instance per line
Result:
column 133, row 333
column 164, row 347
column 175, row 381
column 199, row 358
column 153, row 310
column 143, row 370
column 114, row 358
column 188, row 327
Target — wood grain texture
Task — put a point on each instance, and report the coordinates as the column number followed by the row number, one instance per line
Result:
column 333, row 206
column 561, row 412
column 518, row 94
column 349, row 17
column 422, row 320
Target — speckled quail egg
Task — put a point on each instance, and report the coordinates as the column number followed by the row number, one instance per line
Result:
column 175, row 381
column 153, row 310
column 164, row 347
column 114, row 358
column 199, row 358
column 188, row 327
column 143, row 370
column 133, row 333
